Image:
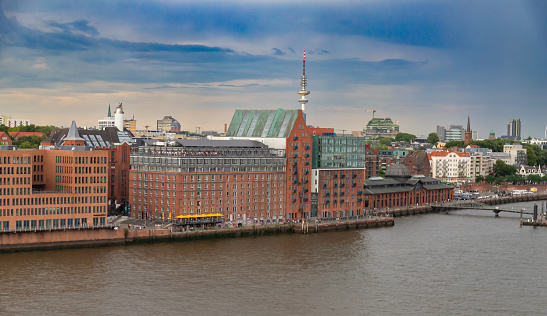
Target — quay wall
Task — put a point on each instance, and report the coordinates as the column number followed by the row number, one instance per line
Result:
column 59, row 239
column 165, row 235
column 424, row 209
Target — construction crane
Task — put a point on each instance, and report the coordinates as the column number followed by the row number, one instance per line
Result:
column 373, row 111
column 198, row 129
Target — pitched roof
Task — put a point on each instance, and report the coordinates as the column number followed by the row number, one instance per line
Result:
column 73, row 132
column 446, row 153
column 16, row 135
column 93, row 138
column 262, row 123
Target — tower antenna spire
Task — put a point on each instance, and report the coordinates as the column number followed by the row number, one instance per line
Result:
column 303, row 93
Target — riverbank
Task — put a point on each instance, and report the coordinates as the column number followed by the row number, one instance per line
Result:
column 424, row 209
column 89, row 237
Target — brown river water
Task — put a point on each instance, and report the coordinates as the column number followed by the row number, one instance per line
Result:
column 463, row 263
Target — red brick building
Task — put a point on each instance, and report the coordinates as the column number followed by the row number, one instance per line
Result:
column 240, row 179
column 118, row 145
column 399, row 188
column 52, row 189
column 282, row 130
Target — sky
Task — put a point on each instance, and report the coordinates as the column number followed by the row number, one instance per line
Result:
column 422, row 63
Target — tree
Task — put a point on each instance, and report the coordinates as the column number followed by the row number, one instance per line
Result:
column 4, row 128
column 433, row 138
column 532, row 158
column 382, row 173
column 502, row 169
column 534, row 178
column 490, row 179
column 514, row 178
column 479, row 179
column 405, row 137
column 454, row 143
column 386, row 141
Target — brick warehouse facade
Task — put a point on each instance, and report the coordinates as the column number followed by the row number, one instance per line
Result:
column 281, row 130
column 52, row 189
column 242, row 180
column 117, row 144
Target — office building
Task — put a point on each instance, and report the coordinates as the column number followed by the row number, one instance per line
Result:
column 242, row 180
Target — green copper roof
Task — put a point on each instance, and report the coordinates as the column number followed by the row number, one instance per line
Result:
column 262, row 123
column 109, row 115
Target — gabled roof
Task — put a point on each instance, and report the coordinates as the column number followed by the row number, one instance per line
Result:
column 446, row 153
column 262, row 123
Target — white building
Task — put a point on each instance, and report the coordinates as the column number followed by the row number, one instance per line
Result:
column 517, row 154
column 451, row 166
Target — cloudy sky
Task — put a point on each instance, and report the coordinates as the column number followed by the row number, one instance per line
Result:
column 424, row 63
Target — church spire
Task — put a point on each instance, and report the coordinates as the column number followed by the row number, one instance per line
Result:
column 109, row 114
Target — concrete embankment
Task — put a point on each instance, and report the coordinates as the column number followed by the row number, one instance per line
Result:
column 165, row 235
column 60, row 239
column 424, row 209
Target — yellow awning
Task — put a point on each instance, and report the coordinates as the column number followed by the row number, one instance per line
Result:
column 199, row 216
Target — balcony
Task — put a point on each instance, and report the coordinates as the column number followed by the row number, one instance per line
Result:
column 305, row 199
column 295, row 147
column 305, row 190
column 327, row 194
column 327, row 201
column 359, row 200
column 294, row 200
column 354, row 175
column 295, row 155
column 341, row 200
column 306, row 181
column 342, row 185
column 307, row 155
column 294, row 182
column 295, row 172
column 354, row 184
column 295, row 138
column 342, row 193
column 307, row 147
column 360, row 192
column 343, row 176
column 307, row 163
column 306, row 172
column 293, row 191
column 294, row 163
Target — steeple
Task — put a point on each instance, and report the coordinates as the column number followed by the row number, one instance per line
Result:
column 468, row 133
column 109, row 114
column 303, row 93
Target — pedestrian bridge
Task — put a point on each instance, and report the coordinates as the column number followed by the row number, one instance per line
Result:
column 475, row 205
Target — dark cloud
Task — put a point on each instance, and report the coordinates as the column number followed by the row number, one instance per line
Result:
column 79, row 26
column 277, row 52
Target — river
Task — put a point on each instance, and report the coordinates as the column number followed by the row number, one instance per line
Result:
column 461, row 263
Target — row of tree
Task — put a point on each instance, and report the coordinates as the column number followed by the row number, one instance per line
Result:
column 29, row 141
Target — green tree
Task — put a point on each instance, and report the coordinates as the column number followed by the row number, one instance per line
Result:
column 386, row 141
column 28, row 128
column 490, row 179
column 382, row 173
column 405, row 137
column 454, row 143
column 4, row 128
column 534, row 178
column 514, row 178
column 27, row 144
column 433, row 138
column 502, row 169
column 479, row 179
column 46, row 130
column 532, row 158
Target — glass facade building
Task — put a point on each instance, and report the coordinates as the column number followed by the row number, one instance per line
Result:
column 338, row 152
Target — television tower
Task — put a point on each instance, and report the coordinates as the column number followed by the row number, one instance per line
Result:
column 303, row 93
